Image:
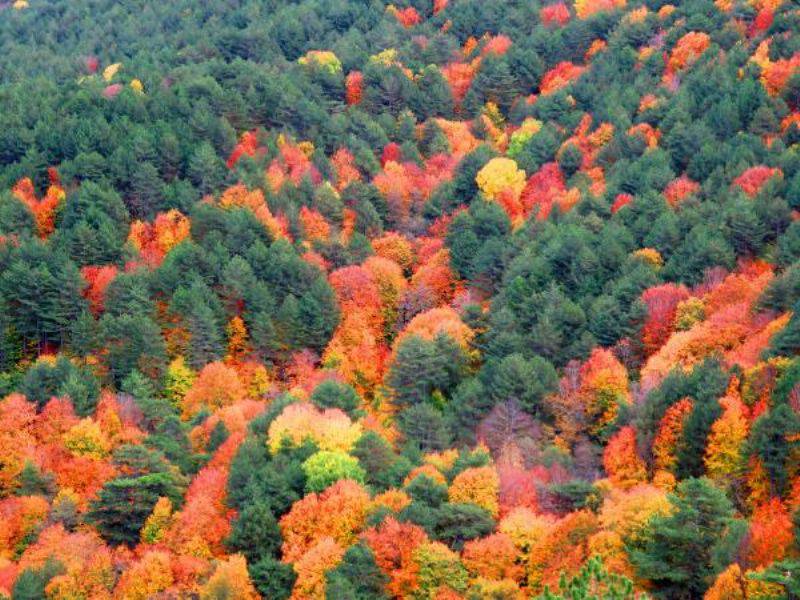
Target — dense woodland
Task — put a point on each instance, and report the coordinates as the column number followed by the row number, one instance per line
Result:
column 438, row 300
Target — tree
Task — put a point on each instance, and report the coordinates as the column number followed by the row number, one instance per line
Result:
column 133, row 342
column 357, row 576
column 526, row 381
column 147, row 190
column 493, row 557
column 725, row 461
column 41, row 288
column 499, row 175
column 592, row 580
column 255, row 533
column 783, row 574
column 668, row 435
column 439, row 568
column 339, row 512
column 677, row 550
column 146, row 577
column 478, row 485
column 93, row 225
column 773, row 441
column 46, row 379
column 383, row 467
column 333, row 394
column 273, row 579
column 621, row 460
column 787, row 341
column 31, row 582
column 393, row 544
column 424, row 428
column 216, row 386
column 422, row 368
column 455, row 524
column 206, row 169
column 299, row 422
column 205, row 336
column 313, row 566
column 771, row 534
column 229, row 581
column 16, row 436
column 325, row 468
column 124, row 503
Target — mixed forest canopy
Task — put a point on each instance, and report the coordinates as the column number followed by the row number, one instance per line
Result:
column 432, row 300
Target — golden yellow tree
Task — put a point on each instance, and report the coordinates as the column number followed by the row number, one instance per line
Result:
column 478, row 485
column 498, row 175
column 724, row 458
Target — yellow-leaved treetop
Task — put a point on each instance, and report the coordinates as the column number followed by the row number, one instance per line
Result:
column 230, row 580
column 725, row 459
column 330, row 429
column 323, row 58
column 158, row 522
column 498, row 175
column 179, row 380
column 146, row 578
column 627, row 512
column 478, row 485
column 111, row 70
column 85, row 438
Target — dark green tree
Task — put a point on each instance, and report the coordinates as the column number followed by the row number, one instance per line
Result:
column 677, row 549
column 124, row 503
column 357, row 576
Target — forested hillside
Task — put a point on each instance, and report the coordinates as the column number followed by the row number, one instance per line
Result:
column 433, row 300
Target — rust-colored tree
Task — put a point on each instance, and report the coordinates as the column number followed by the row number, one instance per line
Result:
column 338, row 513
column 621, row 460
column 393, row 544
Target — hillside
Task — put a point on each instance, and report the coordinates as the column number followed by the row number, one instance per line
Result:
column 433, row 300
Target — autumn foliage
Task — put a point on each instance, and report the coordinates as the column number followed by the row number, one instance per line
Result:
column 424, row 300
column 44, row 208
column 753, row 179
column 393, row 544
column 338, row 513
column 622, row 461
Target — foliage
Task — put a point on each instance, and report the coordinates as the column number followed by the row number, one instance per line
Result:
column 677, row 548
column 438, row 299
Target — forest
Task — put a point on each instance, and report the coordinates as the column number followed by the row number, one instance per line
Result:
column 423, row 300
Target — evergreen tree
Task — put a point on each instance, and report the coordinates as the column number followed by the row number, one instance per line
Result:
column 31, row 582
column 774, row 441
column 677, row 549
column 273, row 579
column 357, row 576
column 255, row 533
column 124, row 503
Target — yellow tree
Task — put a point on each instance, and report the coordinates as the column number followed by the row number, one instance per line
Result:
column 230, row 580
column 146, row 578
column 628, row 512
column 178, row 381
column 498, row 175
column 478, row 485
column 238, row 346
column 158, row 522
column 724, row 458
column 85, row 438
column 604, row 388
